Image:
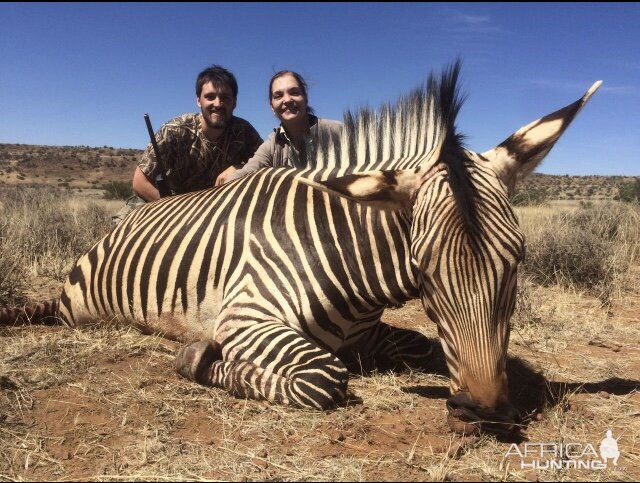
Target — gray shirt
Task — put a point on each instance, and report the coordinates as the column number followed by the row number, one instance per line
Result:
column 278, row 151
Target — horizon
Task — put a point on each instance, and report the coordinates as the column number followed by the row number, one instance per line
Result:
column 140, row 149
column 84, row 74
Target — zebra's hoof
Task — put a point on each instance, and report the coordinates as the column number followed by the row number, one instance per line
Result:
column 194, row 360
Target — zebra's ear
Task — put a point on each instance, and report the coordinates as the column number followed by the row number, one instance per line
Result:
column 387, row 190
column 522, row 152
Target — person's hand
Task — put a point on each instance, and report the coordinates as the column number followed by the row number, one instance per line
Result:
column 222, row 177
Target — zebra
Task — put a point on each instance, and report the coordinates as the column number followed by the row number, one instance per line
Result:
column 277, row 281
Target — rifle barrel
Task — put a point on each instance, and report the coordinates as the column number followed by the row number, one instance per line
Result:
column 161, row 184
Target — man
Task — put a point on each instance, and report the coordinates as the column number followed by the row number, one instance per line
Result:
column 197, row 150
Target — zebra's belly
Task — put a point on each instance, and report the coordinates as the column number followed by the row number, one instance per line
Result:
column 173, row 317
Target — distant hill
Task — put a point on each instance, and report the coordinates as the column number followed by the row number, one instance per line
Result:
column 86, row 167
column 65, row 166
column 565, row 187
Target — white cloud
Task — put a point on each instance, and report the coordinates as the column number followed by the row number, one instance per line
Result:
column 468, row 23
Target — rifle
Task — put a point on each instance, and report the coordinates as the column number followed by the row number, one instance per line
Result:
column 161, row 183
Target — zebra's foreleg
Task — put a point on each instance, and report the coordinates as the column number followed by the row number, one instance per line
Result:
column 194, row 360
column 269, row 361
column 387, row 347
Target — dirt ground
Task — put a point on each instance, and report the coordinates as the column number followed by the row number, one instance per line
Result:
column 105, row 404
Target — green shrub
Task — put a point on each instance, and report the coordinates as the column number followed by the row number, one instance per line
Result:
column 586, row 204
column 629, row 192
column 528, row 196
column 117, row 190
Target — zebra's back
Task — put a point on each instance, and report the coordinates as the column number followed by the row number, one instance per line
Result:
column 174, row 265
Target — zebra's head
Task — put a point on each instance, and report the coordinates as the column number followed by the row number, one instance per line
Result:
column 465, row 242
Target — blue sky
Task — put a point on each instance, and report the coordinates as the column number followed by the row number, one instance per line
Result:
column 84, row 74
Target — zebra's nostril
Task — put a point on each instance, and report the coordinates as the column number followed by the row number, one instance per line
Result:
column 462, row 417
column 468, row 417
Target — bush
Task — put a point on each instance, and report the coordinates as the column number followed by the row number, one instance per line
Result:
column 586, row 249
column 566, row 253
column 528, row 196
column 629, row 192
column 118, row 190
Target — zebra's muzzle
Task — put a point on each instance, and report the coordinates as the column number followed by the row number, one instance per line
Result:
column 467, row 417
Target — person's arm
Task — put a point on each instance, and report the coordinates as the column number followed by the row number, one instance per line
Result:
column 143, row 187
column 261, row 159
column 250, row 141
column 222, row 177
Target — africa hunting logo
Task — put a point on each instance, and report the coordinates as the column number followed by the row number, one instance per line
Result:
column 553, row 456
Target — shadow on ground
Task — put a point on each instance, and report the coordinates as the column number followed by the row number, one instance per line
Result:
column 529, row 391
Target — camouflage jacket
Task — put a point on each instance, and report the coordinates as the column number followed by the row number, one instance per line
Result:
column 190, row 161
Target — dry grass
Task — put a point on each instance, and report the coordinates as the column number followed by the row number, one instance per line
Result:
column 105, row 404
column 42, row 233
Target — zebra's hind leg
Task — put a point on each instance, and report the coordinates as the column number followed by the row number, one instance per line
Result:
column 384, row 347
column 270, row 361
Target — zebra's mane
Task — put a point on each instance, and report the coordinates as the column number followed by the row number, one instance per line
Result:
column 406, row 135
column 418, row 131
